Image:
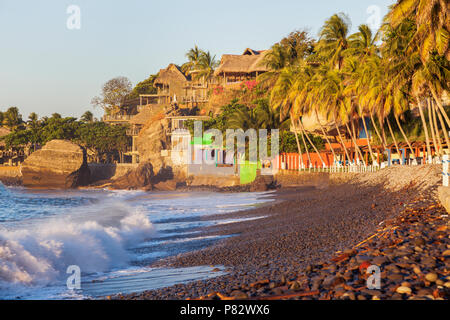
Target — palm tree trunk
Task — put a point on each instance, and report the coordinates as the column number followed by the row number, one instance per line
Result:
column 326, row 137
column 430, row 120
column 340, row 138
column 306, row 147
column 358, row 151
column 298, row 143
column 383, row 132
column 313, row 145
column 425, row 128
column 376, row 130
column 368, row 140
column 439, row 104
column 393, row 137
column 404, row 136
column 443, row 129
column 436, row 128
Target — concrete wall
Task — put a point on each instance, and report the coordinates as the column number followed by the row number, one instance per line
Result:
column 213, row 180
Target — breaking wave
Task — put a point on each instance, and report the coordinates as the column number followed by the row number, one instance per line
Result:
column 96, row 241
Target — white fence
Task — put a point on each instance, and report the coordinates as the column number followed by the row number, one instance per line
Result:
column 445, row 174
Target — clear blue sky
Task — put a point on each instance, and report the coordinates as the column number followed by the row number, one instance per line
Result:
column 47, row 68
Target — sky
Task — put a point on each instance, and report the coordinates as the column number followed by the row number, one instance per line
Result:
column 53, row 59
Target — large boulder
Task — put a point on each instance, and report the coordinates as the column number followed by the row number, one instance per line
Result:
column 59, row 164
column 151, row 141
column 139, row 178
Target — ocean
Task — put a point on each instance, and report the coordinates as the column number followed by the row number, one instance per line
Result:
column 111, row 237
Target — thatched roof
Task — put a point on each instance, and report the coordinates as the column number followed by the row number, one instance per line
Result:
column 169, row 75
column 250, row 61
column 147, row 114
column 251, row 52
column 4, row 131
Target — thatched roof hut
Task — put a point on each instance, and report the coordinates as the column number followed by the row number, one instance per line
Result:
column 249, row 62
column 170, row 75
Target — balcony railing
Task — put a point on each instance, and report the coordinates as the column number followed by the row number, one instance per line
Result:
column 133, row 131
column 117, row 117
column 194, row 99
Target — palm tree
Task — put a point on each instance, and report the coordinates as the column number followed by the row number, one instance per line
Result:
column 441, row 121
column 425, row 27
column 363, row 43
column 193, row 56
column 432, row 24
column 433, row 127
column 33, row 122
column 333, row 40
column 279, row 99
column 207, row 63
column 356, row 89
column 302, row 133
column 87, row 117
column 324, row 134
column 12, row 118
column 310, row 142
column 330, row 93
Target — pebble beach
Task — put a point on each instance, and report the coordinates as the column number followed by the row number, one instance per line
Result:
column 316, row 242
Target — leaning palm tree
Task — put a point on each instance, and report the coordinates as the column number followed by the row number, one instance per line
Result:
column 333, row 40
column 432, row 21
column 299, row 95
column 357, row 85
column 279, row 100
column 404, row 37
column 330, row 94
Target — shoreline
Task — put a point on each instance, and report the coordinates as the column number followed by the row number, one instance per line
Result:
column 278, row 247
column 303, row 229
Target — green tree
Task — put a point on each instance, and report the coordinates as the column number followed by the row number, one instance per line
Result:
column 87, row 117
column 113, row 94
column 12, row 118
column 144, row 87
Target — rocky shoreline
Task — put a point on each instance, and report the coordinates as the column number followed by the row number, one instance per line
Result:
column 315, row 244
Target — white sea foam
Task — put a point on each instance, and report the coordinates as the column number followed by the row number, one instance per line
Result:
column 105, row 233
column 41, row 253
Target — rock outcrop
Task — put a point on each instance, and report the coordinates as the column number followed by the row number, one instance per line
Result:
column 139, row 178
column 60, row 164
column 152, row 140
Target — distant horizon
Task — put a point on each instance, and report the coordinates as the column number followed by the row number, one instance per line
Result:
column 48, row 68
